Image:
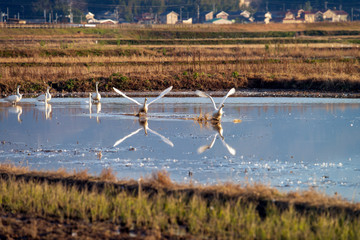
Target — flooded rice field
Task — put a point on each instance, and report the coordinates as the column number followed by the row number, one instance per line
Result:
column 287, row 143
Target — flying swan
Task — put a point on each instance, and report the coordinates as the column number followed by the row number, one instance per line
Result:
column 145, row 106
column 218, row 112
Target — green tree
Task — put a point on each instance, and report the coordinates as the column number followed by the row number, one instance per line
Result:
column 307, row 6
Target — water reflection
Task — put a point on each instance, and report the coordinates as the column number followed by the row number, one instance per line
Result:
column 46, row 108
column 89, row 106
column 16, row 109
column 219, row 132
column 98, row 110
column 143, row 122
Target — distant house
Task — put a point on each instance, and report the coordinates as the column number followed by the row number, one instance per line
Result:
column 206, row 16
column 90, row 18
column 16, row 21
column 240, row 16
column 246, row 14
column 335, row 16
column 313, row 16
column 146, row 18
column 222, row 15
column 219, row 21
column 278, row 16
column 188, row 21
column 169, row 17
column 293, row 17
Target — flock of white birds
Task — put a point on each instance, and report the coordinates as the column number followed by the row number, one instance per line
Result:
column 143, row 109
column 95, row 97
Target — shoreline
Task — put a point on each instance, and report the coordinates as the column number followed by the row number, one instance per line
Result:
column 238, row 93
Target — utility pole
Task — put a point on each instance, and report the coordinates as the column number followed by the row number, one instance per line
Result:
column 45, row 15
column 198, row 13
column 267, row 5
column 352, row 14
column 326, row 5
column 181, row 13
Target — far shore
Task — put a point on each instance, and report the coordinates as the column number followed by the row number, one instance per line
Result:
column 238, row 93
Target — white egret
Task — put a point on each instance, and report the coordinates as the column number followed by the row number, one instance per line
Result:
column 45, row 97
column 145, row 106
column 219, row 130
column 144, row 123
column 96, row 96
column 14, row 98
column 218, row 112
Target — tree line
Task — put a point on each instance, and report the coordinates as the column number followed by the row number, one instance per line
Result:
column 128, row 9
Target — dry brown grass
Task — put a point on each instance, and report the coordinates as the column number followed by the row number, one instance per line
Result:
column 192, row 68
column 161, row 180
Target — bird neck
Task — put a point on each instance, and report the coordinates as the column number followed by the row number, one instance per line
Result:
column 96, row 88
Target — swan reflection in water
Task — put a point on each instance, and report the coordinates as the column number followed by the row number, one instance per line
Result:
column 46, row 108
column 98, row 110
column 219, row 132
column 89, row 105
column 17, row 110
column 143, row 121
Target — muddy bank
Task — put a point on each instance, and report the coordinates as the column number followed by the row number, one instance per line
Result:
column 238, row 93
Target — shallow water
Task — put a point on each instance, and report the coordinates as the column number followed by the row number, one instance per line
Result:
column 288, row 143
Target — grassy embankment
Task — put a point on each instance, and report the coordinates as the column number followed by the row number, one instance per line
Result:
column 58, row 204
column 321, row 57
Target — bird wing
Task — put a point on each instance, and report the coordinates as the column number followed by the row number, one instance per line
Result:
column 41, row 98
column 230, row 149
column 161, row 95
column 232, row 91
column 122, row 94
column 11, row 98
column 206, row 147
column 127, row 136
column 202, row 94
column 164, row 139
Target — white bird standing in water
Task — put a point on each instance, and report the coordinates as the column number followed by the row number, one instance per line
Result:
column 96, row 96
column 14, row 98
column 218, row 112
column 45, row 97
column 145, row 106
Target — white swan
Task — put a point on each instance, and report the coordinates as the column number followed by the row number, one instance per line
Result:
column 14, row 98
column 45, row 97
column 96, row 96
column 144, row 123
column 145, row 106
column 219, row 130
column 218, row 112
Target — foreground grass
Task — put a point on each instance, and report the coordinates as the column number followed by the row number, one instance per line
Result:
column 177, row 215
